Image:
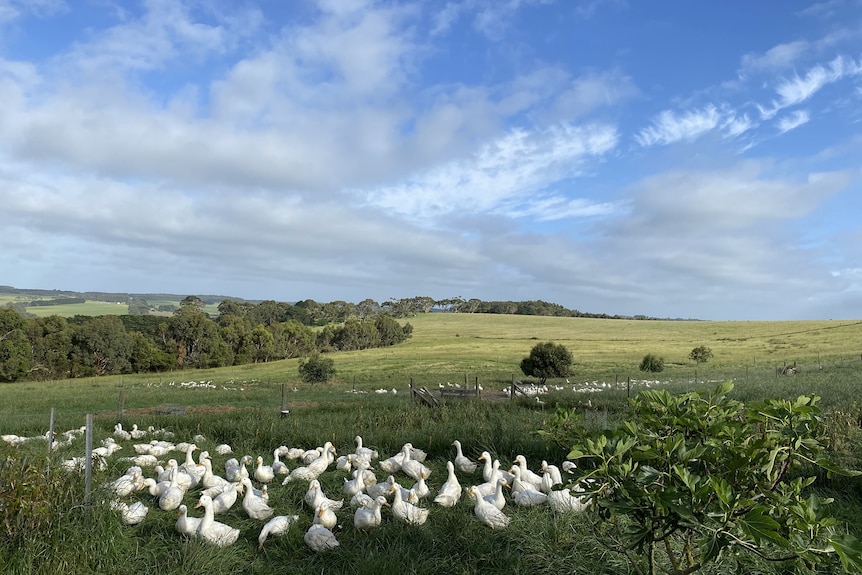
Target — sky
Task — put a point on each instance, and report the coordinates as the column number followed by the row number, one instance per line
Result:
column 671, row 159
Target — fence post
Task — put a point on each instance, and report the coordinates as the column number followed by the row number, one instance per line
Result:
column 512, row 388
column 412, row 393
column 284, row 410
column 121, row 406
column 88, row 462
column 51, row 431
column 629, row 386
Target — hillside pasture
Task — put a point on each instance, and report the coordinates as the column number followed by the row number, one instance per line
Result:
column 370, row 397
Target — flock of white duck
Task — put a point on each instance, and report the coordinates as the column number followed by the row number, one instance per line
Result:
column 175, row 484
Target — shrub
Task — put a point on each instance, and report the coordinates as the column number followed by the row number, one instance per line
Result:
column 652, row 363
column 700, row 354
column 316, row 369
column 691, row 478
column 547, row 360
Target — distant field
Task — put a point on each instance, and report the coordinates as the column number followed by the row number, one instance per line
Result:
column 88, row 308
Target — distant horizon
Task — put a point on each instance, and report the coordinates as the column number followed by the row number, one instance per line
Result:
column 676, row 159
column 222, row 297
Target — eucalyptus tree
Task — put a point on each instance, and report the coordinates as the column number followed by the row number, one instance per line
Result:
column 15, row 351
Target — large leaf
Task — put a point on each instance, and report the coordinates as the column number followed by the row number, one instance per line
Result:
column 761, row 527
column 849, row 549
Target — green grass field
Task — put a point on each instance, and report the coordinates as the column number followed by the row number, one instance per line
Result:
column 240, row 406
column 88, row 308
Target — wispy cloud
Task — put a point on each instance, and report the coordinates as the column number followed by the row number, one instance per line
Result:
column 669, row 127
column 775, row 59
column 798, row 89
column 502, row 177
column 793, row 121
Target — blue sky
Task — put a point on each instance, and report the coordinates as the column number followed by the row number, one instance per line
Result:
column 672, row 159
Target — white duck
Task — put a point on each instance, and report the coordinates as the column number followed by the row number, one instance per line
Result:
column 196, row 470
column 253, row 504
column 450, row 491
column 365, row 453
column 278, row 466
column 121, row 433
column 488, row 469
column 125, row 484
column 487, row 513
column 525, row 495
column 172, row 497
column 315, row 497
column 275, row 527
column 130, row 514
column 211, row 530
column 355, row 485
column 554, row 471
column 369, row 517
column 361, row 499
column 463, row 463
column 562, row 501
column 235, row 470
column 223, row 449
column 497, row 499
column 420, row 489
column 319, row 538
column 209, row 478
column 226, row 499
column 412, row 467
column 186, row 525
column 527, row 475
column 392, row 464
column 383, row 488
column 325, row 516
column 405, row 511
column 263, row 473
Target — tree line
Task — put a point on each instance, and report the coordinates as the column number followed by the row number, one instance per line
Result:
column 54, row 347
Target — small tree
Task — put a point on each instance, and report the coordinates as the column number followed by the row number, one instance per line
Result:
column 547, row 360
column 700, row 354
column 682, row 483
column 652, row 363
column 316, row 369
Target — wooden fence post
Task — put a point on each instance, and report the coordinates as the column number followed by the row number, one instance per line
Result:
column 51, row 431
column 88, row 462
column 121, row 406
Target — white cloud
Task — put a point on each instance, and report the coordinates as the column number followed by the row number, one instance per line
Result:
column 502, row 176
column 799, row 89
column 13, row 9
column 735, row 125
column 775, row 59
column 669, row 127
column 793, row 121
